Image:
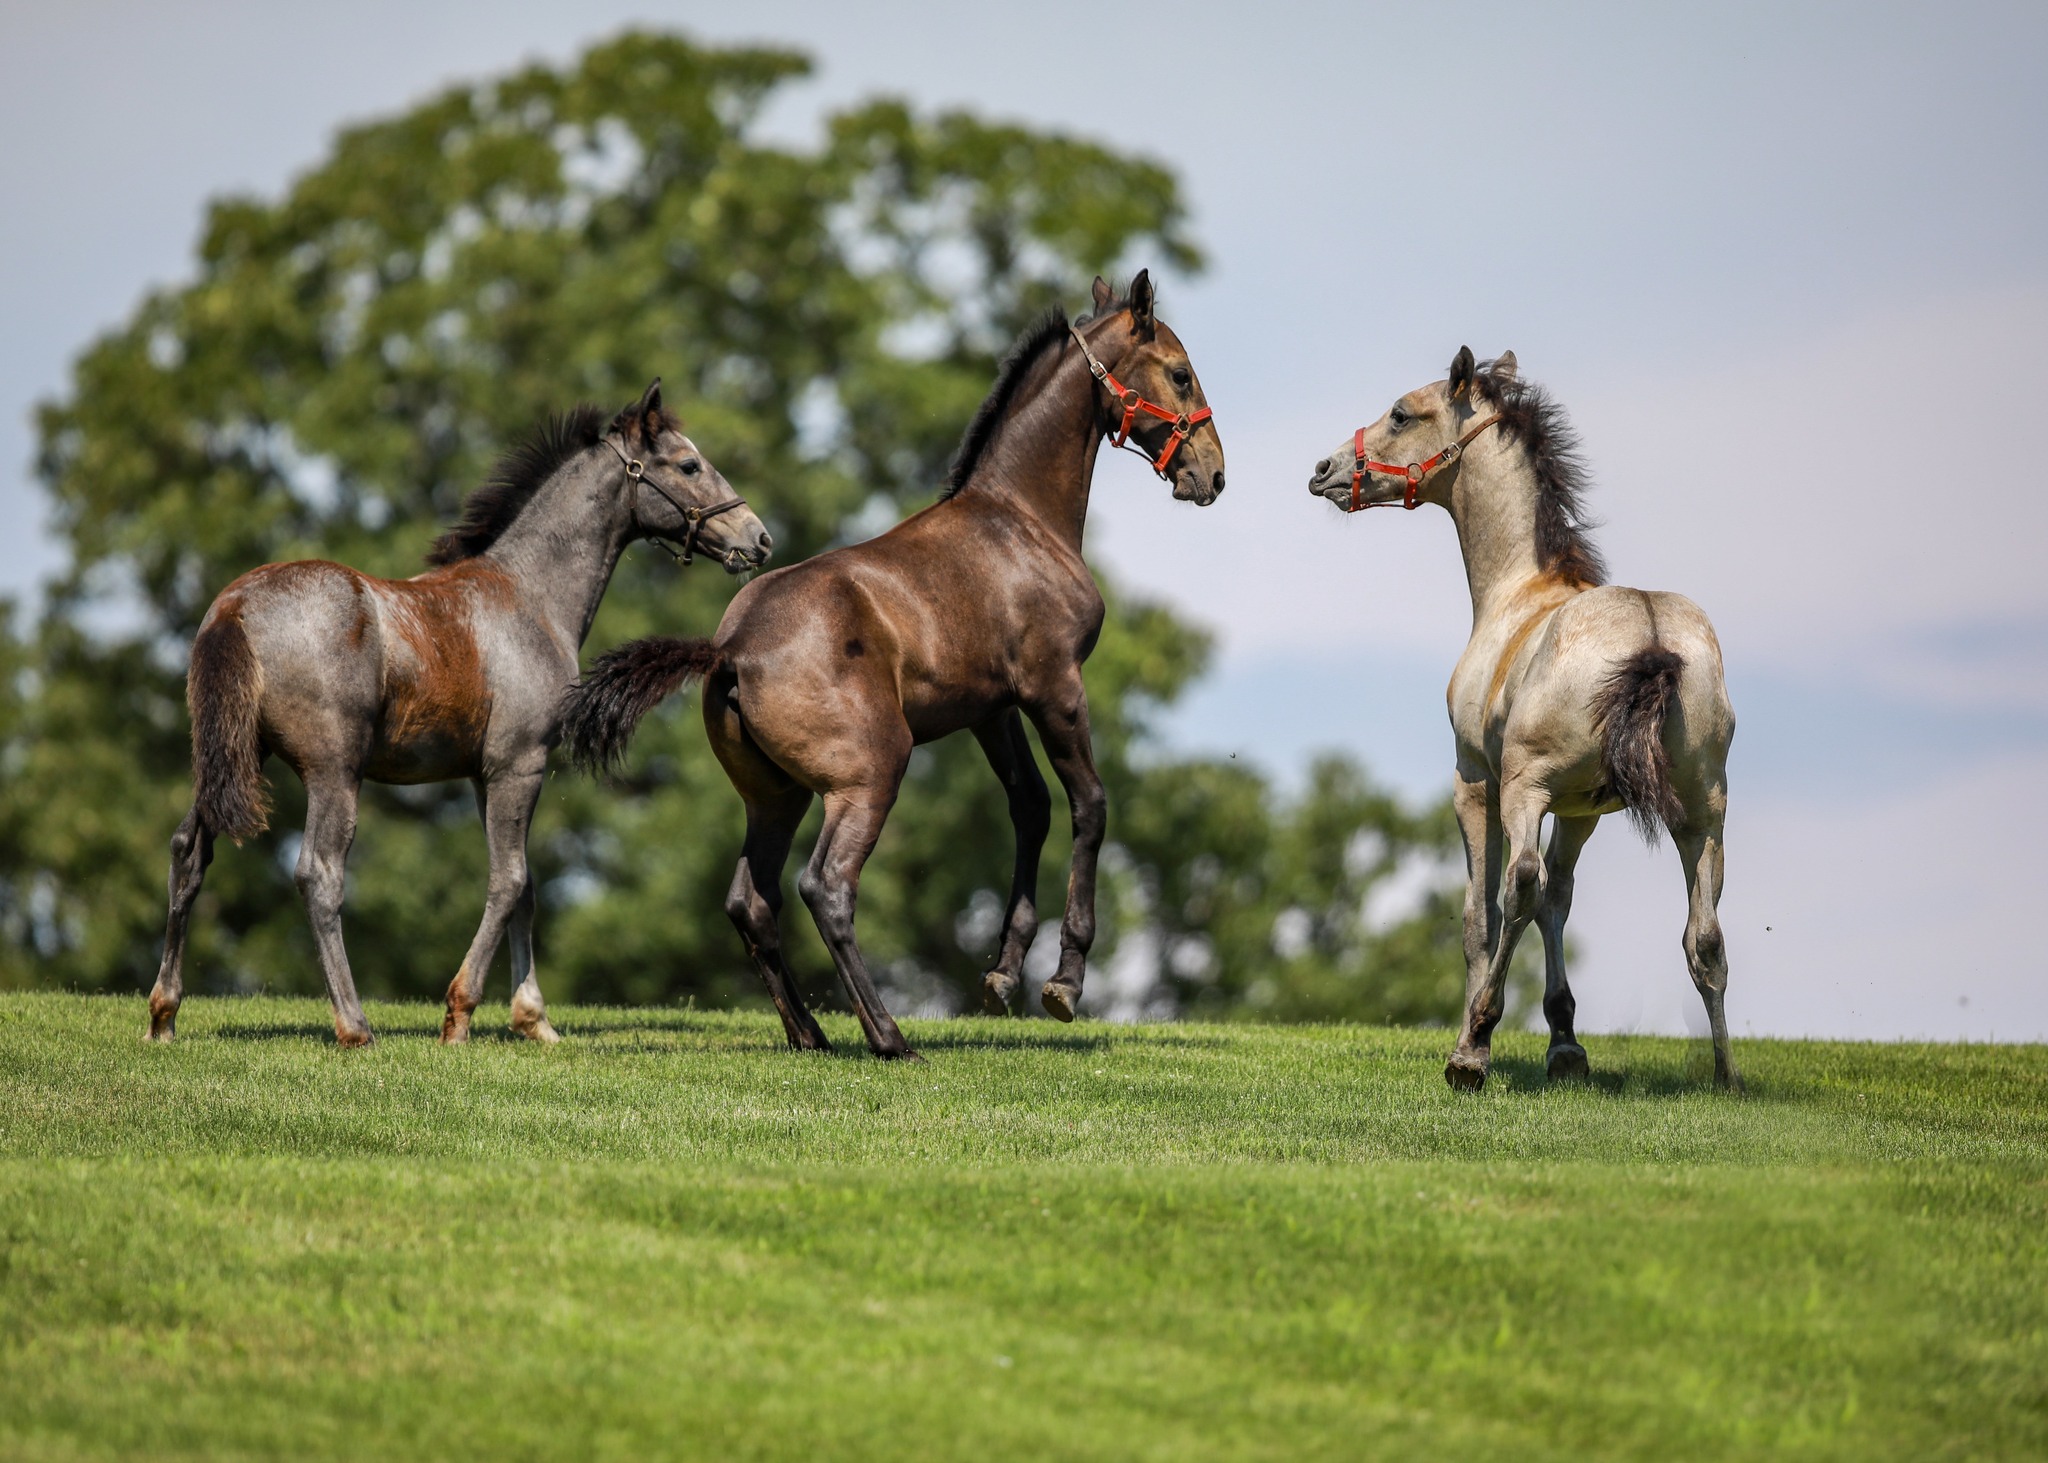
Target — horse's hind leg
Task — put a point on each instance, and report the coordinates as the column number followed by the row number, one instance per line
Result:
column 322, row 873
column 1009, row 752
column 831, row 887
column 754, row 904
column 507, row 807
column 1706, row 952
column 191, row 852
column 1566, row 1057
column 1522, row 805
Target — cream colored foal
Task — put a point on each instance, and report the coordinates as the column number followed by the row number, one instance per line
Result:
column 1574, row 697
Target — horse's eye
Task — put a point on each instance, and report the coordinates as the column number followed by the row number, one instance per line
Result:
column 1400, row 416
column 1181, row 378
column 692, row 468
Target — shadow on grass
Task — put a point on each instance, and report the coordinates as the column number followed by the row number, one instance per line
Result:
column 321, row 1032
column 1529, row 1074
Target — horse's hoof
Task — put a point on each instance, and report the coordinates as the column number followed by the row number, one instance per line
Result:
column 534, row 1026
column 899, row 1054
column 810, row 1041
column 162, row 1028
column 1729, row 1081
column 1567, row 1063
column 998, row 993
column 1060, row 1001
column 455, row 1029
column 1464, row 1075
column 344, row 1036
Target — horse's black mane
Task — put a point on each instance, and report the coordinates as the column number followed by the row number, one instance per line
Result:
column 1047, row 330
column 1532, row 417
column 492, row 507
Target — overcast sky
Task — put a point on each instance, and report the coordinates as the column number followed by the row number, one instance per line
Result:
column 1787, row 266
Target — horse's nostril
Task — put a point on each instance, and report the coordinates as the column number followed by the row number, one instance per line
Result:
column 766, row 541
column 1322, row 467
column 1218, row 480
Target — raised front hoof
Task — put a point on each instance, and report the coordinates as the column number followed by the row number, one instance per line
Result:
column 455, row 1028
column 1465, row 1074
column 999, row 993
column 534, row 1026
column 1567, row 1063
column 353, row 1037
column 1060, row 1001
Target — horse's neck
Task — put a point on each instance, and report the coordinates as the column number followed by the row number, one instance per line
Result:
column 1493, row 503
column 1043, row 454
column 562, row 550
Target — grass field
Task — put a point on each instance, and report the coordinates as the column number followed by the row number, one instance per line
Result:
column 670, row 1238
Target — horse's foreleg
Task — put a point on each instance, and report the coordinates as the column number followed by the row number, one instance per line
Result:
column 1567, row 838
column 1474, row 800
column 507, row 807
column 322, row 873
column 1063, row 727
column 1009, row 753
column 754, row 905
column 831, row 887
column 1521, row 886
column 191, row 852
column 1706, row 952
column 529, row 1011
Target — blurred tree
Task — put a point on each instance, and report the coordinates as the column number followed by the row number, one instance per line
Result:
column 349, row 358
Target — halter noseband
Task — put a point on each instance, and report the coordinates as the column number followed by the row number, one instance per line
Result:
column 695, row 518
column 1416, row 473
column 1184, row 423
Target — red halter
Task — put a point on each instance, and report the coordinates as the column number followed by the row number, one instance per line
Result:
column 1414, row 472
column 1184, row 423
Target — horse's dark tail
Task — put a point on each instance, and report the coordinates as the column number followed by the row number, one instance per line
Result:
column 1628, row 712
column 602, row 709
column 223, row 689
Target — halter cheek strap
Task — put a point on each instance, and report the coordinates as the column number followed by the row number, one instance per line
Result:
column 693, row 518
column 1416, row 473
column 1184, row 423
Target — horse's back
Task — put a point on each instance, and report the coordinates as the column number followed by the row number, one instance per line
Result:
column 383, row 677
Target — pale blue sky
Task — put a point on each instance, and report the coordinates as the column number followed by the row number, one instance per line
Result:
column 1787, row 265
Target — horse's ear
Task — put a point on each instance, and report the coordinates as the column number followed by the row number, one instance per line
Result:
column 1504, row 366
column 1104, row 295
column 1142, row 322
column 1462, row 367
column 644, row 414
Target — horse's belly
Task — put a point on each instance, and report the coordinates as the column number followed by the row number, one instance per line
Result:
column 421, row 759
column 427, row 737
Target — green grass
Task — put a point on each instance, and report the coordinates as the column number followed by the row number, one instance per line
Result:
column 668, row 1237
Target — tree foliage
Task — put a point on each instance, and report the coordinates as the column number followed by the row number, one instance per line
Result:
column 346, row 360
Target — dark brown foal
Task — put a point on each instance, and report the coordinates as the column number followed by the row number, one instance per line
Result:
column 823, row 676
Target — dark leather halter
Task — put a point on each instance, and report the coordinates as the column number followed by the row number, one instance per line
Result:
column 1184, row 423
column 1416, row 473
column 693, row 518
